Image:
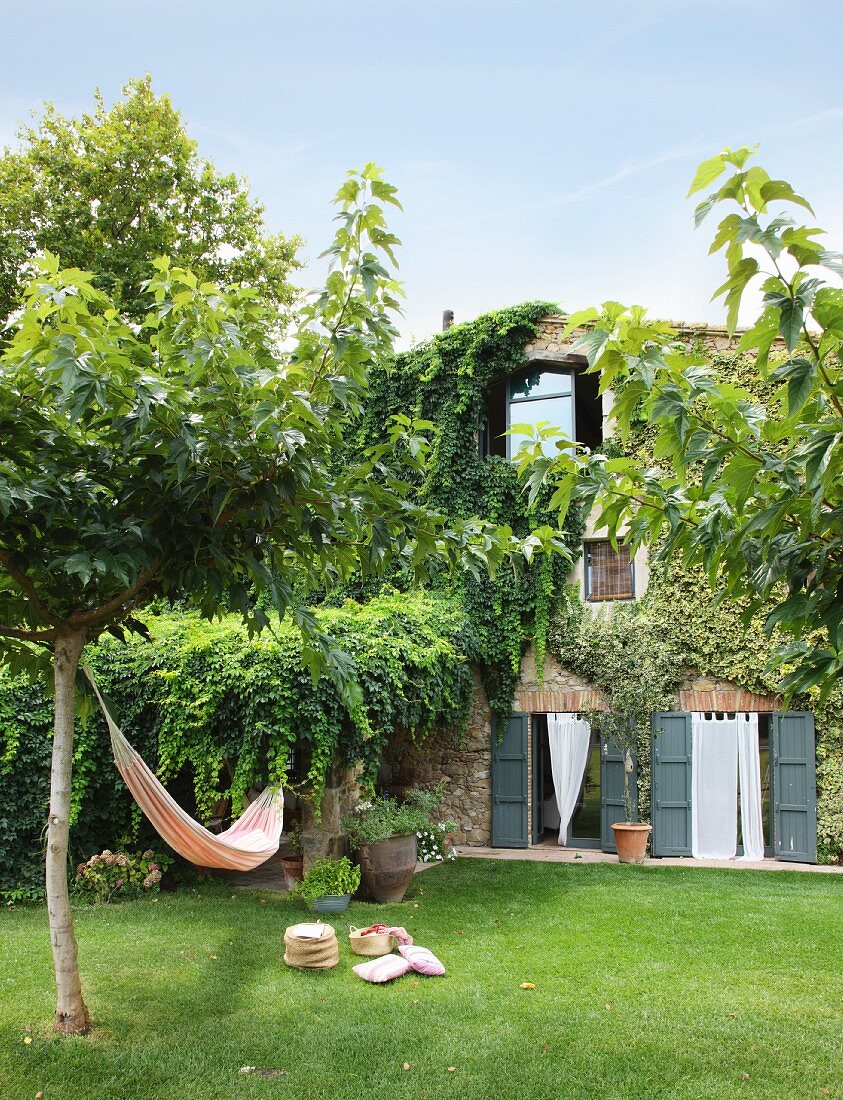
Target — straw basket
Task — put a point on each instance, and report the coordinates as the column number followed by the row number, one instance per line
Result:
column 309, row 954
column 371, row 944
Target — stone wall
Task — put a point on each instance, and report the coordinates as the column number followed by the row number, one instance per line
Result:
column 549, row 342
column 559, row 690
column 700, row 693
column 466, row 764
column 326, row 836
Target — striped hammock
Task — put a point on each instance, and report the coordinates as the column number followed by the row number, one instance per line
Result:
column 250, row 841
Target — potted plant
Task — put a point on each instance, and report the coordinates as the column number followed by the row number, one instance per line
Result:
column 291, row 859
column 631, row 836
column 328, row 885
column 384, row 832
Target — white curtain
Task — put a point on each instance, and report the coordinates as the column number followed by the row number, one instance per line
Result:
column 714, row 787
column 569, row 738
column 749, row 766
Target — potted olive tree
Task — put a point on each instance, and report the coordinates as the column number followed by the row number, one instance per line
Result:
column 631, row 836
column 384, row 832
column 328, row 885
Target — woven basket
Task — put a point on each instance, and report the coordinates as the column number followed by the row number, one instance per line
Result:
column 307, row 954
column 371, row 944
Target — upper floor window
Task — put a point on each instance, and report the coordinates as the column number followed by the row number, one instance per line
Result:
column 542, row 396
column 558, row 396
column 609, row 573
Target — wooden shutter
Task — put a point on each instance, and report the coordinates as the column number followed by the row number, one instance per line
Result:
column 793, row 745
column 537, row 831
column 610, row 574
column 671, row 790
column 509, row 782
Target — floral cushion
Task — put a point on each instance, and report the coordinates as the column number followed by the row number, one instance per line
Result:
column 422, row 961
column 383, row 969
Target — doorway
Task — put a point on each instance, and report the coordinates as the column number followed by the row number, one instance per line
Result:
column 599, row 802
column 787, row 763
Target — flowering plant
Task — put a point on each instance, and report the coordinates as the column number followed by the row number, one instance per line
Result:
column 383, row 817
column 111, row 875
column 434, row 844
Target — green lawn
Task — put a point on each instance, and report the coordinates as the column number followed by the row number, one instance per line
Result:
column 650, row 982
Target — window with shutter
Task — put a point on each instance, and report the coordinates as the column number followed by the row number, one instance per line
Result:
column 609, row 572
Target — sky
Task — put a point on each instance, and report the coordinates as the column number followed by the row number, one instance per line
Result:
column 542, row 148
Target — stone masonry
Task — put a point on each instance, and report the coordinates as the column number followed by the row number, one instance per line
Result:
column 466, row 764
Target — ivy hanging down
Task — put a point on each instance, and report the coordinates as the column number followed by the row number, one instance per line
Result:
column 445, row 381
column 209, row 707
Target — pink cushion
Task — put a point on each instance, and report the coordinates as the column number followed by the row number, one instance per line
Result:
column 422, row 961
column 383, row 969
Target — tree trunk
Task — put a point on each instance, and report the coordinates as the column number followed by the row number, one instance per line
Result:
column 71, row 1011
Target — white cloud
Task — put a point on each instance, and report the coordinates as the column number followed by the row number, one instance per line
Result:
column 631, row 168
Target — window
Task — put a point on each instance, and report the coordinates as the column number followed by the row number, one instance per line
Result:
column 609, row 574
column 555, row 395
column 541, row 396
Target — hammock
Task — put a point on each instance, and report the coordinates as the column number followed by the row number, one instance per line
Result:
column 250, row 841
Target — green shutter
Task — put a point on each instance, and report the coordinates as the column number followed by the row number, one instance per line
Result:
column 794, row 787
column 671, row 791
column 538, row 783
column 612, row 806
column 509, row 782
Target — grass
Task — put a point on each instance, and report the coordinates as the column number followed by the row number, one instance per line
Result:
column 650, row 982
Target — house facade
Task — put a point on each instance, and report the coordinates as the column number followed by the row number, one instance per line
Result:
column 504, row 775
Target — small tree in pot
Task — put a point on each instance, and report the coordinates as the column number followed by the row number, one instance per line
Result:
column 621, row 727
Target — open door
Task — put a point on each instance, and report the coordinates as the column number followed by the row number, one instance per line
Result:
column 794, row 787
column 509, row 782
column 671, row 787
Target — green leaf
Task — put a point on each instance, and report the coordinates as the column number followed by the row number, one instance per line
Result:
column 774, row 190
column 791, row 315
column 740, row 473
column 706, row 173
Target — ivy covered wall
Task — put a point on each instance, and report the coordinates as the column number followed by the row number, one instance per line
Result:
column 446, row 381
column 213, row 711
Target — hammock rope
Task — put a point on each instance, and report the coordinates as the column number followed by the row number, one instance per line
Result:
column 248, row 843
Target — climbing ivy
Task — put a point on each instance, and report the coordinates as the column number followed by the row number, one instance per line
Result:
column 445, row 381
column 214, row 711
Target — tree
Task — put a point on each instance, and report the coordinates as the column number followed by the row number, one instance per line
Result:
column 193, row 461
column 111, row 190
column 752, row 490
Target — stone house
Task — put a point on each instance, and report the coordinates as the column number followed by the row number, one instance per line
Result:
column 502, row 790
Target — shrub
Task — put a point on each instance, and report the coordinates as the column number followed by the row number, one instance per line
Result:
column 113, row 876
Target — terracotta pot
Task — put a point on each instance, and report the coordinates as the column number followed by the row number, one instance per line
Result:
column 387, row 867
column 631, row 841
column 293, row 867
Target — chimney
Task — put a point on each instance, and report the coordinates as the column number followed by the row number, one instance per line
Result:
column 447, row 319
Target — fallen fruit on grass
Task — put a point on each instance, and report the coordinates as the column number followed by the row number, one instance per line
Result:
column 406, row 1065
column 527, row 985
column 27, row 1039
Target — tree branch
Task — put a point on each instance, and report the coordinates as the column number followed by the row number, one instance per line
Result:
column 41, row 610
column 27, row 635
column 100, row 615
